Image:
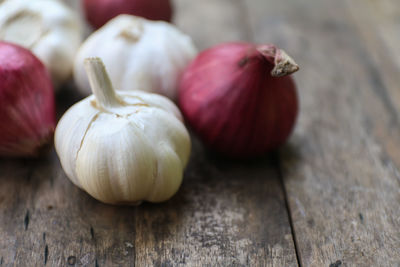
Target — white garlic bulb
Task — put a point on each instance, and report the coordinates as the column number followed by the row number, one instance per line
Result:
column 48, row 28
column 139, row 53
column 125, row 147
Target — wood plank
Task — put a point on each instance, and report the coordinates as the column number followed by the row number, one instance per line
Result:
column 342, row 185
column 212, row 22
column 379, row 26
column 383, row 20
column 226, row 213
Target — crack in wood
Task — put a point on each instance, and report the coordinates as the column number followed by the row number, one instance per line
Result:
column 91, row 232
column 277, row 158
column 336, row 264
column 26, row 220
column 46, row 254
column 361, row 217
column 71, row 260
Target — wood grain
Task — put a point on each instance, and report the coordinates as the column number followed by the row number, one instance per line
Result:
column 225, row 214
column 379, row 29
column 340, row 170
column 341, row 183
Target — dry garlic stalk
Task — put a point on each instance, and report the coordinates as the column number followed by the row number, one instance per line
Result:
column 125, row 147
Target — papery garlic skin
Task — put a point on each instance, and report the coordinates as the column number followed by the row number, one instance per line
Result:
column 131, row 149
column 139, row 53
column 48, row 28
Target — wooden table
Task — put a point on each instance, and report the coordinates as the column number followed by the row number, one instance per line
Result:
column 330, row 197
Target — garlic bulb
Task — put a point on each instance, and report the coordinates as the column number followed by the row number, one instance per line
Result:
column 122, row 147
column 48, row 28
column 141, row 54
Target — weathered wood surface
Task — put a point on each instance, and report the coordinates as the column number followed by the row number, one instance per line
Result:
column 340, row 169
column 339, row 175
column 226, row 213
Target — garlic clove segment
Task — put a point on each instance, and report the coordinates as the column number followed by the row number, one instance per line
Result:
column 122, row 147
column 48, row 28
column 139, row 53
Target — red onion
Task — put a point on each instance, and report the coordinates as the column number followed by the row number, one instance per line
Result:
column 238, row 98
column 27, row 110
column 98, row 12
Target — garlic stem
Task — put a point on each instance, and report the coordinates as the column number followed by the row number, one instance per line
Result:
column 100, row 83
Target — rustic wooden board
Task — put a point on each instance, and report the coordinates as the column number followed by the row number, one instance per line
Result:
column 226, row 213
column 340, row 170
column 341, row 167
column 379, row 28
